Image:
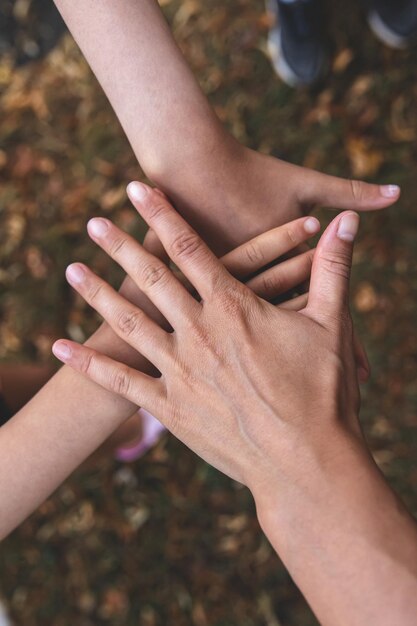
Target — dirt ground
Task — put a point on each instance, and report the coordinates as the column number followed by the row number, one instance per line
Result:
column 168, row 540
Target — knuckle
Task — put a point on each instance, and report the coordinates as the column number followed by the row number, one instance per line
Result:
column 292, row 237
column 94, row 291
column 357, row 190
column 272, row 284
column 120, row 381
column 117, row 245
column 215, row 284
column 199, row 332
column 153, row 274
column 156, row 209
column 254, row 254
column 185, row 245
column 202, row 337
column 87, row 364
column 337, row 263
column 129, row 322
column 230, row 301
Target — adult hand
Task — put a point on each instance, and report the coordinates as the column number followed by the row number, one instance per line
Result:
column 262, row 263
column 242, row 381
column 270, row 397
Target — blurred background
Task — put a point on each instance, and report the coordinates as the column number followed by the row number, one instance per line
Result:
column 168, row 540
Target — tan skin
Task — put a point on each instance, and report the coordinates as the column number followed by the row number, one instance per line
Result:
column 72, row 416
column 228, row 192
column 242, row 262
column 20, row 382
column 270, row 397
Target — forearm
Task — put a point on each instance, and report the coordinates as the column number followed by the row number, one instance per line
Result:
column 346, row 539
column 55, row 432
column 174, row 132
column 217, row 184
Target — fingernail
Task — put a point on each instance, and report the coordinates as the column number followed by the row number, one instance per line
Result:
column 97, row 227
column 311, row 225
column 137, row 191
column 389, row 191
column 62, row 351
column 75, row 273
column 348, row 227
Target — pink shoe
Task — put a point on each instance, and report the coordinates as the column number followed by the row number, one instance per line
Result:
column 152, row 430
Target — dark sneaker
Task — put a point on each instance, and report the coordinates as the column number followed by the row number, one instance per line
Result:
column 394, row 22
column 7, row 23
column 296, row 43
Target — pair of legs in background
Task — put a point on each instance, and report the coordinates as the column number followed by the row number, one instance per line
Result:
column 296, row 43
column 297, row 40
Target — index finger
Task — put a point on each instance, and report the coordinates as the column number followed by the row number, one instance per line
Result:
column 186, row 249
column 270, row 246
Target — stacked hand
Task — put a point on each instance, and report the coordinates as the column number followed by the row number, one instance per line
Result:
column 272, row 264
column 269, row 395
column 236, row 380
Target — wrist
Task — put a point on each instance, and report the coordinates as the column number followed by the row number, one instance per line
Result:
column 310, row 476
column 214, row 210
column 338, row 522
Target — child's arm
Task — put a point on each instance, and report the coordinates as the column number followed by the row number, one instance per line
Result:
column 228, row 192
column 71, row 416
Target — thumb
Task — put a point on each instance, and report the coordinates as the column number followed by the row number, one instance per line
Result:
column 340, row 193
column 330, row 274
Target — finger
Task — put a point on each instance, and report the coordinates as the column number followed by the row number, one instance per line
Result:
column 282, row 277
column 152, row 276
column 295, row 304
column 329, row 284
column 139, row 388
column 128, row 321
column 340, row 193
column 362, row 361
column 152, row 244
column 130, row 292
column 262, row 250
column 185, row 248
column 303, row 247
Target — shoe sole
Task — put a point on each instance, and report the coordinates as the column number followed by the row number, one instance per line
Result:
column 277, row 57
column 385, row 34
column 279, row 63
column 281, row 67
